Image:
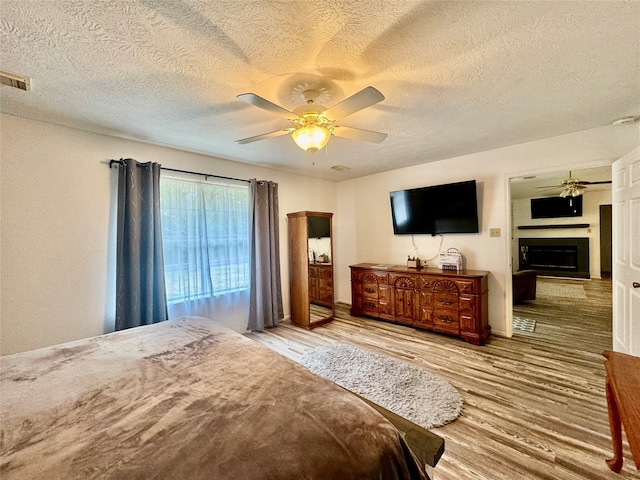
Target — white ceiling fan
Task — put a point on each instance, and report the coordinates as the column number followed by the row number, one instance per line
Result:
column 574, row 187
column 313, row 124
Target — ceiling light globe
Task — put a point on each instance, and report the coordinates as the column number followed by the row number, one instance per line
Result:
column 311, row 138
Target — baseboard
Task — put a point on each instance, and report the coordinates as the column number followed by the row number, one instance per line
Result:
column 498, row 333
column 565, row 278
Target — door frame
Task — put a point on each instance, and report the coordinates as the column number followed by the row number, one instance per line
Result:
column 509, row 222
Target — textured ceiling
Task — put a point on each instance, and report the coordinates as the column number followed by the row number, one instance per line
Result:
column 459, row 77
column 549, row 184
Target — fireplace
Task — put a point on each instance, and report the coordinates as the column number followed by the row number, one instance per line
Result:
column 561, row 257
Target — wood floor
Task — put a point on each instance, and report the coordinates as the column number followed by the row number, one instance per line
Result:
column 535, row 405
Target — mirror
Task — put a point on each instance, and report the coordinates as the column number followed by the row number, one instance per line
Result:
column 320, row 258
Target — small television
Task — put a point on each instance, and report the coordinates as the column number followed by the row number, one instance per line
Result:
column 449, row 208
column 555, row 207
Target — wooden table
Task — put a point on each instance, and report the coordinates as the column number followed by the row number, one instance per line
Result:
column 623, row 401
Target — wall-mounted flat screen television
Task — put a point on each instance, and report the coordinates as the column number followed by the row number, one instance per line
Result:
column 552, row 207
column 449, row 208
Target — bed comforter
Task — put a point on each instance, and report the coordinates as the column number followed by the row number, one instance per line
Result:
column 185, row 399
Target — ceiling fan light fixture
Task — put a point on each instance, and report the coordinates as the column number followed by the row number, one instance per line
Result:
column 571, row 190
column 312, row 131
column 311, row 138
column 313, row 124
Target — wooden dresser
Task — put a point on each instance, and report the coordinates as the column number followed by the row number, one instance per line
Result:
column 451, row 302
column 321, row 284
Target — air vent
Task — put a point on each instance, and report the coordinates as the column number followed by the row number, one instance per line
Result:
column 16, row 81
column 340, row 168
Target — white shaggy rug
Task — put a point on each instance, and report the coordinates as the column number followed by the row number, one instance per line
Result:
column 415, row 394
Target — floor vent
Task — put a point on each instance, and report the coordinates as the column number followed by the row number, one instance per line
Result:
column 16, row 81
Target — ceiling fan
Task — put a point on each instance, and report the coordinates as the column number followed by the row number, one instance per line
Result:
column 313, row 124
column 573, row 187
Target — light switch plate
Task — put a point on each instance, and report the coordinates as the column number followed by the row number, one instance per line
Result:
column 494, row 232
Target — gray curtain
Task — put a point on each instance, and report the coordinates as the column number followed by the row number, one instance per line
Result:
column 140, row 289
column 265, row 302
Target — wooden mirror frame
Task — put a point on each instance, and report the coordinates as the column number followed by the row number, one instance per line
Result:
column 310, row 284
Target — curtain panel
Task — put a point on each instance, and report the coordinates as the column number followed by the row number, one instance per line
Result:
column 206, row 249
column 266, row 308
column 140, row 286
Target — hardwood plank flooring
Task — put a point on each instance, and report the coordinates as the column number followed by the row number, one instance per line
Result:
column 535, row 404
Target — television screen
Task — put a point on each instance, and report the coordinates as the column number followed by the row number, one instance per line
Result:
column 552, row 207
column 319, row 227
column 450, row 208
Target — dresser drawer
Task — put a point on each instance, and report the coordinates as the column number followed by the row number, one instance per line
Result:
column 369, row 306
column 468, row 323
column 467, row 303
column 325, row 273
column 370, row 291
column 446, row 321
column 466, row 286
column 445, row 300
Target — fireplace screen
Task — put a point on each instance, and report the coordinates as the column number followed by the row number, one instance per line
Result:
column 553, row 258
column 565, row 257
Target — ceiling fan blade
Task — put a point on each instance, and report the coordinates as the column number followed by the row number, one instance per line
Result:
column 362, row 99
column 275, row 133
column 265, row 104
column 595, row 183
column 359, row 134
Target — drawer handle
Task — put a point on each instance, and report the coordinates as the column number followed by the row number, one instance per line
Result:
column 369, row 290
column 445, row 319
column 369, row 305
column 445, row 302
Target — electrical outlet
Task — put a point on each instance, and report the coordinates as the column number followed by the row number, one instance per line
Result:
column 494, row 232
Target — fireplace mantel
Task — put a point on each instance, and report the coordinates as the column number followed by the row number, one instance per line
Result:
column 561, row 225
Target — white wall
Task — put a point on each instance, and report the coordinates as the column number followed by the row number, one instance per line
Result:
column 591, row 202
column 57, row 215
column 57, row 230
column 364, row 216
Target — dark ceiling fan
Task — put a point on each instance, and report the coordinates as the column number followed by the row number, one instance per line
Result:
column 573, row 187
column 313, row 124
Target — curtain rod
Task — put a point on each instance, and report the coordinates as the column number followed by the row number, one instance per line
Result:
column 205, row 175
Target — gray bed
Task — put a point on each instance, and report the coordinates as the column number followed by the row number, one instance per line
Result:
column 186, row 399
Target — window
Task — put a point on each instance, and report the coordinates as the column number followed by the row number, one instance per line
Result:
column 205, row 234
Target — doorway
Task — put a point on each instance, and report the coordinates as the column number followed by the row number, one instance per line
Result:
column 606, row 238
column 557, row 310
